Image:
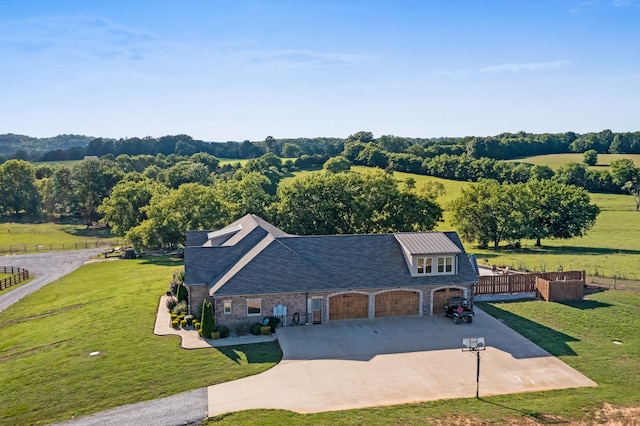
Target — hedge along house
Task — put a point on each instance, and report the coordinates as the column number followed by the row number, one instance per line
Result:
column 251, row 269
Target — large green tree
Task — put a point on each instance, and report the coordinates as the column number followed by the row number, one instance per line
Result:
column 626, row 175
column 352, row 203
column 124, row 208
column 190, row 207
column 18, row 189
column 92, row 181
column 555, row 210
column 488, row 212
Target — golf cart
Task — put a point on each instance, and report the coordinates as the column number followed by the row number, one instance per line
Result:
column 458, row 309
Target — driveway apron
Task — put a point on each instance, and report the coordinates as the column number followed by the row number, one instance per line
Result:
column 366, row 363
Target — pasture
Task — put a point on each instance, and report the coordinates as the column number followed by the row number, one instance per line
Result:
column 556, row 160
column 47, row 375
column 56, row 236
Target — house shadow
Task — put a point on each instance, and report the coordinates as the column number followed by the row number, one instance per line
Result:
column 547, row 338
column 362, row 340
column 255, row 353
column 585, row 304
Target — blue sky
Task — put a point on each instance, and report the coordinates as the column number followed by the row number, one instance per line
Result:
column 247, row 69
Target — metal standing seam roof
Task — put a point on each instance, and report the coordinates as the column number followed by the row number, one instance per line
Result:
column 427, row 243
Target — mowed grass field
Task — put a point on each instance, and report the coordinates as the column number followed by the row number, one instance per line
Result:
column 67, row 235
column 611, row 247
column 556, row 160
column 583, row 334
column 47, row 375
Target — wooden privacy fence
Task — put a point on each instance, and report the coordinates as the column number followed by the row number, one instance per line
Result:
column 555, row 291
column 522, row 283
column 19, row 275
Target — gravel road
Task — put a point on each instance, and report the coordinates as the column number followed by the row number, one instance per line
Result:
column 47, row 267
column 186, row 408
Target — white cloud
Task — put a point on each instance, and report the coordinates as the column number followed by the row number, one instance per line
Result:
column 453, row 72
column 301, row 58
column 532, row 66
column 92, row 36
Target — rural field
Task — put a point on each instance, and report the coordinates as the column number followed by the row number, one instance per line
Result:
column 16, row 238
column 556, row 160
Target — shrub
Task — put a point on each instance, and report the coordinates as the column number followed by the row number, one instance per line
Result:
column 180, row 317
column 242, row 328
column 174, row 323
column 199, row 332
column 171, row 303
column 215, row 335
column 265, row 330
column 223, row 330
column 255, row 328
column 196, row 324
column 208, row 321
column 182, row 293
column 174, row 316
column 183, row 323
column 180, row 308
column 189, row 319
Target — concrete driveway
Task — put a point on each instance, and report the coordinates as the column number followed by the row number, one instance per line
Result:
column 365, row 363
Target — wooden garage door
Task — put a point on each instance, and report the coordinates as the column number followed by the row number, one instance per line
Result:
column 397, row 303
column 348, row 306
column 440, row 298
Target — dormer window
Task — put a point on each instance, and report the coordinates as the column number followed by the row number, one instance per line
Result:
column 434, row 265
column 445, row 265
column 424, row 265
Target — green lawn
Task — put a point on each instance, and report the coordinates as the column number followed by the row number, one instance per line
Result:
column 56, row 236
column 46, row 374
column 579, row 333
column 556, row 160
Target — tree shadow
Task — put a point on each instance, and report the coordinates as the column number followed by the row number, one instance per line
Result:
column 577, row 250
column 547, row 338
column 101, row 232
column 255, row 353
column 163, row 261
column 539, row 417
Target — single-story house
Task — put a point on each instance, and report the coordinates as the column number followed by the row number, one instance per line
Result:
column 251, row 269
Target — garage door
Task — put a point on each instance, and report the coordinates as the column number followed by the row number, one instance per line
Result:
column 397, row 303
column 440, row 298
column 348, row 306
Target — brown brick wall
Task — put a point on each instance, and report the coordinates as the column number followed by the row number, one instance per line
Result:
column 197, row 294
column 296, row 302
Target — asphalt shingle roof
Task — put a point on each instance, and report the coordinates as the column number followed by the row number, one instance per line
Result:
column 262, row 259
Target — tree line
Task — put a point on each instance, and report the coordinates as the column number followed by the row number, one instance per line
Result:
column 500, row 147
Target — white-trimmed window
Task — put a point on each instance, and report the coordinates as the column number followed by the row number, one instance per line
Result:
column 425, row 265
column 254, row 307
column 227, row 307
column 445, row 265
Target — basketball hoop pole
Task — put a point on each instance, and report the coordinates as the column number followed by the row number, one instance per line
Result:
column 475, row 344
column 477, row 374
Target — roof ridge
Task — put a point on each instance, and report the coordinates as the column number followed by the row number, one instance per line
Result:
column 240, row 264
